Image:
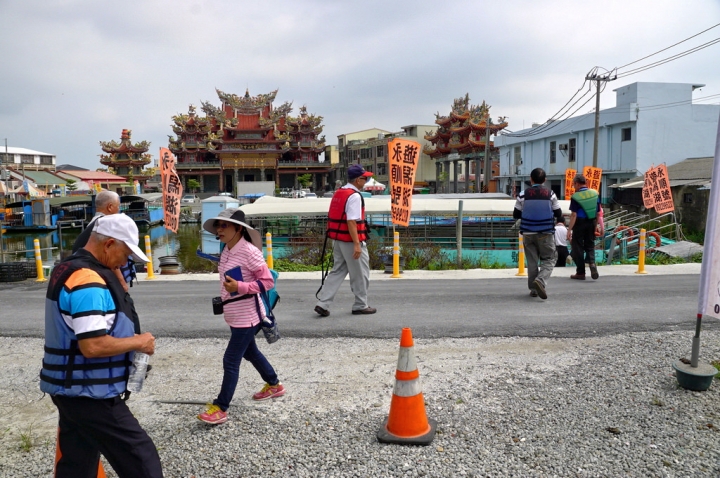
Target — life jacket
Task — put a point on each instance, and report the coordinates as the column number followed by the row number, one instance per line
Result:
column 537, row 212
column 65, row 370
column 588, row 200
column 337, row 218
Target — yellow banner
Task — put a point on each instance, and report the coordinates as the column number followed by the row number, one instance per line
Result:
column 593, row 176
column 171, row 190
column 403, row 158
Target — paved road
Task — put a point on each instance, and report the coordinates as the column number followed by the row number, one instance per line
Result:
column 443, row 308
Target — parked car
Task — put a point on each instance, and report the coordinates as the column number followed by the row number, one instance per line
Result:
column 189, row 199
column 225, row 194
column 310, row 196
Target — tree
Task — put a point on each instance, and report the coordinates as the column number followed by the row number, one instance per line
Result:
column 70, row 185
column 193, row 185
column 305, row 180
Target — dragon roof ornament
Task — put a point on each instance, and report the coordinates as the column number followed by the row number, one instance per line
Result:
column 247, row 103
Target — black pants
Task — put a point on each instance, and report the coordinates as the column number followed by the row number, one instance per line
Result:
column 583, row 243
column 562, row 253
column 89, row 427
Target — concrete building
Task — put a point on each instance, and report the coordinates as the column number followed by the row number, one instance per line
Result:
column 651, row 123
column 22, row 158
column 369, row 148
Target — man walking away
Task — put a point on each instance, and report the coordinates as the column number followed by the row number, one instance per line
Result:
column 347, row 228
column 561, row 243
column 584, row 206
column 538, row 209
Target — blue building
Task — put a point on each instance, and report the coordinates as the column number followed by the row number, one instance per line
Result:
column 651, row 123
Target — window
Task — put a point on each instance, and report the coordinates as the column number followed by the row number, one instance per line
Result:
column 27, row 158
column 518, row 157
column 687, row 198
column 552, row 151
column 626, row 134
column 382, row 169
column 380, row 151
column 571, row 149
column 45, row 159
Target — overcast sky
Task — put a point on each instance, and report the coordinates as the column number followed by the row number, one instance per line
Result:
column 77, row 72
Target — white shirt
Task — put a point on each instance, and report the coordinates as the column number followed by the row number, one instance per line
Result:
column 353, row 206
column 560, row 235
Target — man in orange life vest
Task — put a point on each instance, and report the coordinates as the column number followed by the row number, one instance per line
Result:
column 347, row 228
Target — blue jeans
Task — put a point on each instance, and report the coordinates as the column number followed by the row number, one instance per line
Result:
column 242, row 346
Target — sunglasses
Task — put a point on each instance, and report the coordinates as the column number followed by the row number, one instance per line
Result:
column 221, row 225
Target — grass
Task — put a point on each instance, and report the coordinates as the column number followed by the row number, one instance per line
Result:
column 26, row 440
column 716, row 364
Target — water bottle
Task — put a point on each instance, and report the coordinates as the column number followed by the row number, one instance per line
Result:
column 137, row 374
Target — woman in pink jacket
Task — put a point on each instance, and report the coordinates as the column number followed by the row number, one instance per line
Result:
column 242, row 312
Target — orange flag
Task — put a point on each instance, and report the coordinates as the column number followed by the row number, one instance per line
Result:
column 171, row 189
column 403, row 158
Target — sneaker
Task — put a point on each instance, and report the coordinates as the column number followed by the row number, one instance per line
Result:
column 322, row 312
column 593, row 271
column 540, row 289
column 213, row 415
column 270, row 391
column 533, row 293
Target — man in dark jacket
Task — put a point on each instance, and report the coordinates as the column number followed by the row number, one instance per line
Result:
column 538, row 209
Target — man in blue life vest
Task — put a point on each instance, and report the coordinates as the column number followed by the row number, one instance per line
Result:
column 348, row 230
column 538, row 209
column 90, row 342
column 584, row 207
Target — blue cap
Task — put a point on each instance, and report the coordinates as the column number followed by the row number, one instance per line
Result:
column 355, row 171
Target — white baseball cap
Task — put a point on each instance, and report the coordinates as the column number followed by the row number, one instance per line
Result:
column 121, row 228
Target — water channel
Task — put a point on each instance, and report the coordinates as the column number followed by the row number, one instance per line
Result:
column 56, row 244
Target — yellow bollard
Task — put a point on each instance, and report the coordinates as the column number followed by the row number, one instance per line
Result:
column 38, row 262
column 641, row 253
column 396, row 256
column 268, row 247
column 148, row 253
column 521, row 257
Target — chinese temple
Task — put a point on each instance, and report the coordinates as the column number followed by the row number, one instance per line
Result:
column 462, row 136
column 127, row 159
column 248, row 139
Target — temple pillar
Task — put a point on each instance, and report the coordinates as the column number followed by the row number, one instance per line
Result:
column 235, row 181
column 202, row 183
column 447, row 178
column 478, row 170
column 455, row 176
column 467, row 175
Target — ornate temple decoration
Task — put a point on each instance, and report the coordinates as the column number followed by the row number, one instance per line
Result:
column 127, row 159
column 245, row 133
column 464, row 130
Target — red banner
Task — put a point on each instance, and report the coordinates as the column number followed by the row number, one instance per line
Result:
column 403, row 158
column 171, row 190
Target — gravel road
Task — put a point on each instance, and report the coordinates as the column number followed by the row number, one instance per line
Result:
column 528, row 407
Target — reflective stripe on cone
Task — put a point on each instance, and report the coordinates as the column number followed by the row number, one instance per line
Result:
column 407, row 422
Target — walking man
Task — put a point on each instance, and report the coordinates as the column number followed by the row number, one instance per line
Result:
column 90, row 341
column 347, row 229
column 538, row 209
column 584, row 206
column 106, row 204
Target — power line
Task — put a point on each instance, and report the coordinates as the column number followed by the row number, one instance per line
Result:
column 664, row 49
column 669, row 59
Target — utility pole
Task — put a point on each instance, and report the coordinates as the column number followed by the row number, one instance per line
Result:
column 598, row 79
column 488, row 166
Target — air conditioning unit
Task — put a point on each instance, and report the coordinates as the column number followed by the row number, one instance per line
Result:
column 562, row 147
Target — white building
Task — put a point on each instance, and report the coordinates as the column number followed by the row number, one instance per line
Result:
column 22, row 158
column 651, row 123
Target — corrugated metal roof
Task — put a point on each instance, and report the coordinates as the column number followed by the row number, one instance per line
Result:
column 43, row 178
column 684, row 173
column 97, row 176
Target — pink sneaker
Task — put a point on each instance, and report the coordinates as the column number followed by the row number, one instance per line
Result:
column 270, row 391
column 213, row 415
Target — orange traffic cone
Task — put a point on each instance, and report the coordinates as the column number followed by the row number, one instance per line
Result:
column 58, row 455
column 407, row 423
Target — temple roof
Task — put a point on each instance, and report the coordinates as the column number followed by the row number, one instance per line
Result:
column 125, row 145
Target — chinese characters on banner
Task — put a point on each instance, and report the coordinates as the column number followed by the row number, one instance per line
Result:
column 403, row 159
column 569, row 189
column 171, row 189
column 656, row 190
column 593, row 176
column 647, row 194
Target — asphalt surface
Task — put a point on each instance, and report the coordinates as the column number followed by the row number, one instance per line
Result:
column 432, row 308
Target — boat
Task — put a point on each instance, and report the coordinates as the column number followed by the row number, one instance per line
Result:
column 144, row 209
column 29, row 216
